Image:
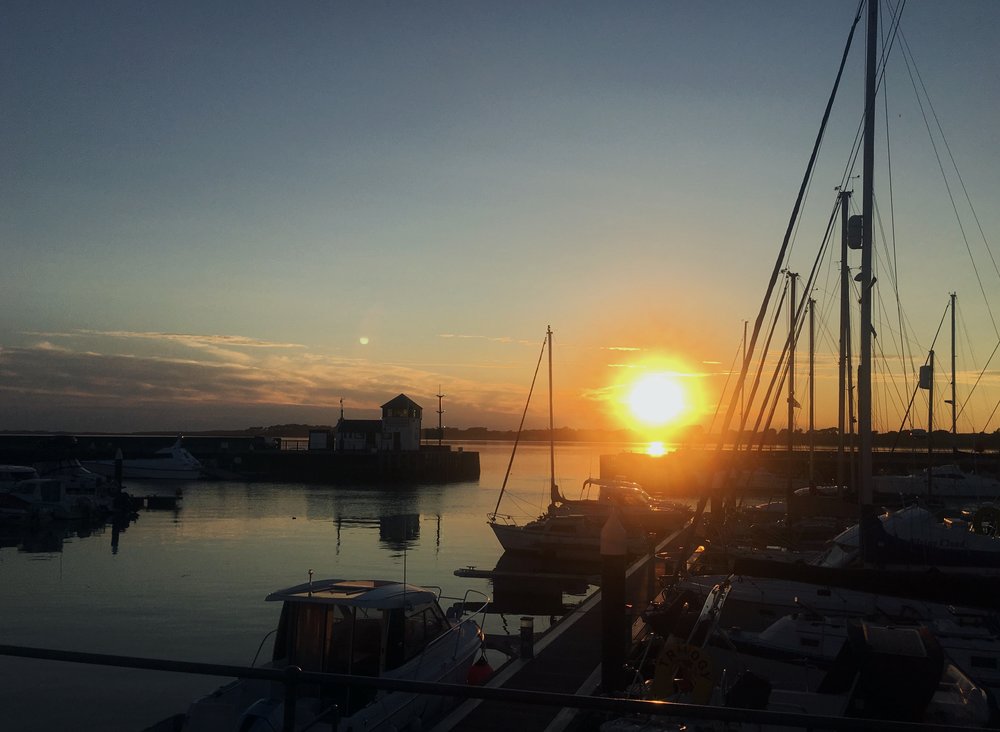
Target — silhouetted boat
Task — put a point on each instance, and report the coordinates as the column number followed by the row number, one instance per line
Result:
column 368, row 628
column 167, row 463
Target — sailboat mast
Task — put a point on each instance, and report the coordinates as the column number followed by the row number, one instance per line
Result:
column 845, row 315
column 865, row 491
column 930, row 423
column 954, row 400
column 812, row 393
column 553, row 488
column 790, row 491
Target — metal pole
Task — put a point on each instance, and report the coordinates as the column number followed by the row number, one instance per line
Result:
column 812, row 393
column 552, row 435
column 865, row 366
column 845, row 319
column 440, row 396
column 930, row 428
column 954, row 399
column 614, row 545
column 790, row 488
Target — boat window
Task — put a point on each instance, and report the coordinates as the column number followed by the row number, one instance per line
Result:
column 314, row 637
column 367, row 647
column 632, row 499
column 422, row 624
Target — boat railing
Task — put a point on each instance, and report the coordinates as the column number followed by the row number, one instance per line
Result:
column 460, row 605
column 501, row 518
column 292, row 677
column 261, row 646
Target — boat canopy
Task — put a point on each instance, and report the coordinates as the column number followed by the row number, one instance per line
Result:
column 356, row 593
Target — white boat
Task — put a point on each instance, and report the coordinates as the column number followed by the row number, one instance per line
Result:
column 945, row 482
column 167, row 463
column 95, row 489
column 915, row 537
column 754, row 603
column 46, row 498
column 811, row 642
column 368, row 628
column 869, row 670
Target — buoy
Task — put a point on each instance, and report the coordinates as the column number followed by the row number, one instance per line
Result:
column 479, row 672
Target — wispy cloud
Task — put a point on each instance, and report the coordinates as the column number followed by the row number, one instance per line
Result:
column 191, row 339
column 78, row 373
column 492, row 339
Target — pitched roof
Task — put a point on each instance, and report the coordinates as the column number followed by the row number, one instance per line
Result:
column 400, row 402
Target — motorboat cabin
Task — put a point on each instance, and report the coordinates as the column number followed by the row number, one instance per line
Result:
column 371, row 628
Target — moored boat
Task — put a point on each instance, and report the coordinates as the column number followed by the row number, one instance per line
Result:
column 167, row 463
column 371, row 628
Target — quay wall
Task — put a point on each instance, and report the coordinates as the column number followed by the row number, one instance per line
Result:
column 690, row 472
column 250, row 458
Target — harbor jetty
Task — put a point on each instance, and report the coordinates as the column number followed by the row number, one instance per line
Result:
column 691, row 470
column 251, row 458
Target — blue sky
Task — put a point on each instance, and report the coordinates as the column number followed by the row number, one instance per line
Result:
column 206, row 206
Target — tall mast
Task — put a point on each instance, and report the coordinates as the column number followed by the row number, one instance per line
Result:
column 930, row 421
column 743, row 409
column 553, row 488
column 845, row 316
column 440, row 396
column 792, row 276
column 812, row 393
column 868, row 195
column 954, row 400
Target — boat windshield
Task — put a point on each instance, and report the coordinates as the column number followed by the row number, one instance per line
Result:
column 330, row 638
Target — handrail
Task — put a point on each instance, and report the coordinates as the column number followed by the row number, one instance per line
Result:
column 292, row 676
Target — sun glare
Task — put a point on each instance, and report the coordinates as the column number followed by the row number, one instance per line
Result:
column 656, row 449
column 657, row 399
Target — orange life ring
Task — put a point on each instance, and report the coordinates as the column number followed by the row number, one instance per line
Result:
column 682, row 668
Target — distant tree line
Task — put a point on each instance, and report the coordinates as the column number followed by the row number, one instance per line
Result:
column 689, row 435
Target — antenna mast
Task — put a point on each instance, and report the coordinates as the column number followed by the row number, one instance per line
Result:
column 440, row 396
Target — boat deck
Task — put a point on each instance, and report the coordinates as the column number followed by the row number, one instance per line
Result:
column 567, row 660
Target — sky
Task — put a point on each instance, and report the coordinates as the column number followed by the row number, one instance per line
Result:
column 218, row 215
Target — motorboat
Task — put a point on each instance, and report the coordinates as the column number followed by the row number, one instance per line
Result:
column 82, row 484
column 167, row 463
column 370, row 628
column 46, row 498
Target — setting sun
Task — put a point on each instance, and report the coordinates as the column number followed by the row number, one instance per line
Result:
column 656, row 399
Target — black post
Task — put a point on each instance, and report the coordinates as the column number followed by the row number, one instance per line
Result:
column 613, row 549
column 119, row 459
column 527, row 637
column 291, row 697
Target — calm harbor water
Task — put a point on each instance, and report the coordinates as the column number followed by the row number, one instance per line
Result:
column 189, row 584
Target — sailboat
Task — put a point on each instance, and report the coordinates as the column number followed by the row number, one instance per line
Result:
column 866, row 587
column 570, row 529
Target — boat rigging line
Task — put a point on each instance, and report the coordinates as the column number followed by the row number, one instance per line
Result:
column 520, row 428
